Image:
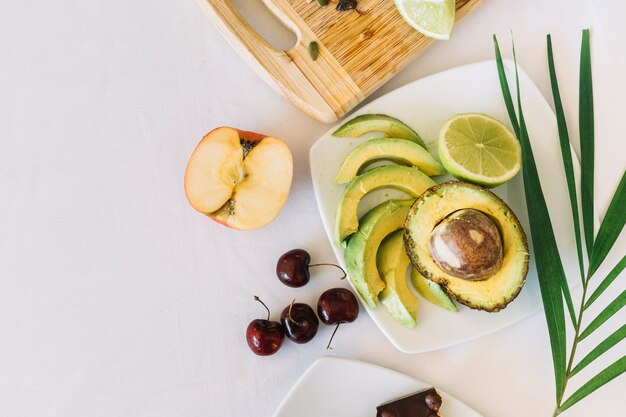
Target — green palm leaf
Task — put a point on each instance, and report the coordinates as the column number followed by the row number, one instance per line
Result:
column 552, row 279
column 549, row 266
column 605, row 345
column 611, row 372
column 608, row 280
column 566, row 153
column 506, row 92
column 585, row 118
column 611, row 227
column 604, row 315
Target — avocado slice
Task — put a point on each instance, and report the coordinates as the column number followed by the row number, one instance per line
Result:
column 360, row 254
column 366, row 123
column 493, row 293
column 432, row 291
column 397, row 150
column 392, row 263
column 408, row 179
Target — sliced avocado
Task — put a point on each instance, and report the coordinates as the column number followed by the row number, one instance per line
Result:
column 366, row 123
column 360, row 254
column 408, row 179
column 432, row 291
column 400, row 151
column 435, row 205
column 392, row 263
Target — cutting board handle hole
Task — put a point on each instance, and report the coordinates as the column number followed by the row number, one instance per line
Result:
column 266, row 24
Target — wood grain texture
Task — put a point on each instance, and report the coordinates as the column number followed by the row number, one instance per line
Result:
column 359, row 51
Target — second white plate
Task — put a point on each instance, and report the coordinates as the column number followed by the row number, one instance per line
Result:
column 341, row 387
column 425, row 105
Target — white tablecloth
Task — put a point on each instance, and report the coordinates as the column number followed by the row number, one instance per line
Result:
column 117, row 299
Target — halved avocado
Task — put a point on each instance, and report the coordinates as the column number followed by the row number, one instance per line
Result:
column 397, row 150
column 408, row 179
column 366, row 123
column 393, row 263
column 432, row 291
column 433, row 206
column 360, row 254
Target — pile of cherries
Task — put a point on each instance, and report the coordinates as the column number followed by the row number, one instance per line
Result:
column 298, row 320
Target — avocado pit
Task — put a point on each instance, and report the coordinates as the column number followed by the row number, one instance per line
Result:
column 467, row 245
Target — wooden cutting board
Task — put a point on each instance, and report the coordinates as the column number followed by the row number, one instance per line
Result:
column 358, row 51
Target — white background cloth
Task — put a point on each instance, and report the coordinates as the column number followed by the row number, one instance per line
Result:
column 117, row 299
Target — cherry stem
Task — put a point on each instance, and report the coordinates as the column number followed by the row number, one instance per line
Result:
column 336, row 266
column 331, row 337
column 256, row 298
column 289, row 314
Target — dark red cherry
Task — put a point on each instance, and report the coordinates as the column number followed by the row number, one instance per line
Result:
column 293, row 266
column 336, row 306
column 264, row 337
column 300, row 322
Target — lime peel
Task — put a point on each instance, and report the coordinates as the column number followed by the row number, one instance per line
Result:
column 432, row 18
column 477, row 148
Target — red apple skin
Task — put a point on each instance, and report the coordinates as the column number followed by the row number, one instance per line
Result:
column 223, row 222
column 243, row 134
column 247, row 136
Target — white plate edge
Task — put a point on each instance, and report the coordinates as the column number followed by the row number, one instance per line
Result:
column 321, row 360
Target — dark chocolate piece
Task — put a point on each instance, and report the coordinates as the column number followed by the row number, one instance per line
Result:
column 433, row 401
column 425, row 403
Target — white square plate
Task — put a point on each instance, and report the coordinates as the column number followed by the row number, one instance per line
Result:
column 426, row 105
column 347, row 388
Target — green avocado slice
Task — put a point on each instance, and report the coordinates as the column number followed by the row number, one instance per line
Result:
column 366, row 123
column 397, row 150
column 432, row 291
column 408, row 179
column 393, row 263
column 490, row 294
column 360, row 253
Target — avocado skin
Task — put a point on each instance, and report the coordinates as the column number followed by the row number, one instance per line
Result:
column 366, row 123
column 510, row 228
column 362, row 247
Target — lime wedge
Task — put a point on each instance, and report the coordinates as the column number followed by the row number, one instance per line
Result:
column 479, row 149
column 433, row 18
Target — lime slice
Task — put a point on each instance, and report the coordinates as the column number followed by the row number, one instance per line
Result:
column 433, row 18
column 478, row 148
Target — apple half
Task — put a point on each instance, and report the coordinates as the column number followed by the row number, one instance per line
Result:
column 240, row 179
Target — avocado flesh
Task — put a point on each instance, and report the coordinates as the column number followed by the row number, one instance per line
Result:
column 397, row 150
column 491, row 294
column 360, row 253
column 366, row 123
column 408, row 179
column 392, row 263
column 432, row 291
